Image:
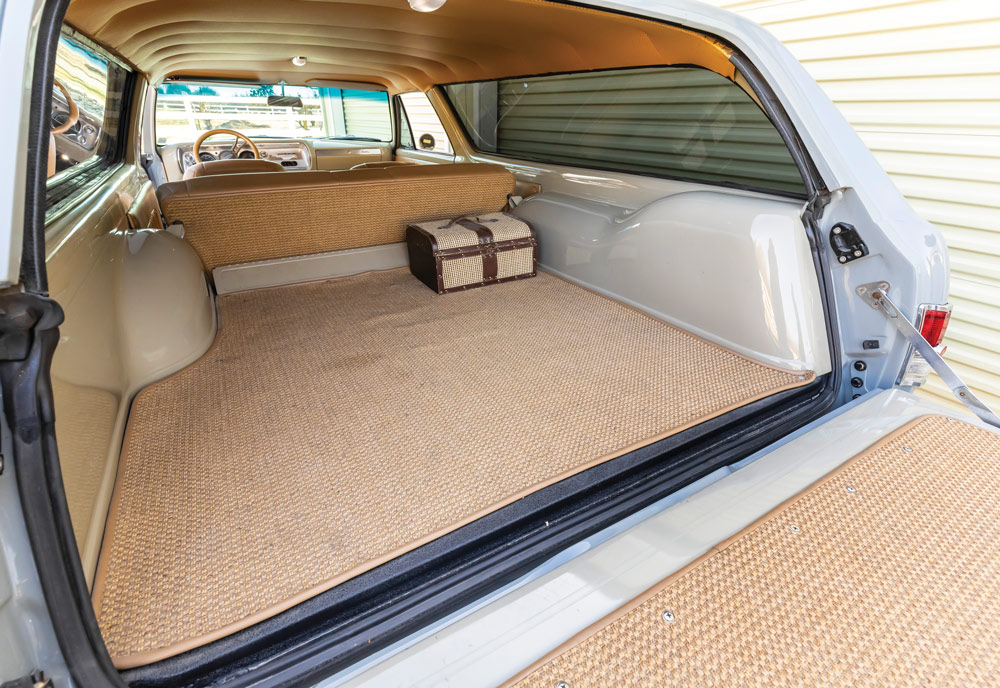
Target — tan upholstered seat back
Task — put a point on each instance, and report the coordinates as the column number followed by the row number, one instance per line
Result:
column 144, row 212
column 232, row 166
column 242, row 218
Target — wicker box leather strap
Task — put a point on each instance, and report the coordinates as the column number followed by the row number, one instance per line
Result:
column 490, row 266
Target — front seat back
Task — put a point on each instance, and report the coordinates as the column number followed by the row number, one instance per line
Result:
column 234, row 166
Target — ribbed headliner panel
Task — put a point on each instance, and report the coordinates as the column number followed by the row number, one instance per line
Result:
column 381, row 41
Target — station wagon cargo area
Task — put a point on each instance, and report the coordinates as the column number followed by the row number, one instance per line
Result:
column 368, row 310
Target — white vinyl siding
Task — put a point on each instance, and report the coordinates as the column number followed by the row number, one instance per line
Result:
column 367, row 114
column 920, row 82
column 423, row 120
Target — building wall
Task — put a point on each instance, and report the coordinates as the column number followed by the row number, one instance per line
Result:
column 920, row 81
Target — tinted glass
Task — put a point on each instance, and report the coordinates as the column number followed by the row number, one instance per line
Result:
column 185, row 110
column 421, row 117
column 686, row 123
column 88, row 125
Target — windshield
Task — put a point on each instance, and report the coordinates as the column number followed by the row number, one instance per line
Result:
column 184, row 111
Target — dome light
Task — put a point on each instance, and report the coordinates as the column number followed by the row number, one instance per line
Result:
column 299, row 61
column 426, row 5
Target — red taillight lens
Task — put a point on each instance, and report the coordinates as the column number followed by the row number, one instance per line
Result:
column 934, row 322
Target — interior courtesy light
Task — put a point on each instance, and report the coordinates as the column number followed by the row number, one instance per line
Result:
column 299, row 61
column 426, row 5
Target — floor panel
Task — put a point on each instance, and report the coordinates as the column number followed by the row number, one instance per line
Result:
column 335, row 425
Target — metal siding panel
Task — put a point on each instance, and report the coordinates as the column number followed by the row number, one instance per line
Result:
column 423, row 120
column 919, row 81
column 368, row 116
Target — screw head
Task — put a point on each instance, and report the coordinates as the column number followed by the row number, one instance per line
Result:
column 795, row 529
column 907, row 450
column 860, row 366
column 851, row 489
column 836, row 230
column 843, row 259
column 857, row 254
column 562, row 684
column 668, row 616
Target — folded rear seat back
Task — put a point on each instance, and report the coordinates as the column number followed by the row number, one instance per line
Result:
column 241, row 218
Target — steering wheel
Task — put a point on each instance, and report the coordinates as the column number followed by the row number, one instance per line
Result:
column 236, row 143
column 74, row 111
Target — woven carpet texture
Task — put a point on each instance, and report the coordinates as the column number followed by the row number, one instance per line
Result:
column 335, row 425
column 885, row 573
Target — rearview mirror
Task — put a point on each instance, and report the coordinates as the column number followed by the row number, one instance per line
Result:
column 284, row 101
column 426, row 141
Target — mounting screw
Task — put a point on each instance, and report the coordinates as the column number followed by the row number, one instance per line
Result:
column 795, row 529
column 857, row 254
column 907, row 449
column 851, row 489
column 860, row 366
column 843, row 259
column 856, row 396
column 857, row 382
column 668, row 616
column 837, row 230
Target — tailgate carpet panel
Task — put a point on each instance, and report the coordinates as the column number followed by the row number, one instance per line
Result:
column 894, row 582
column 335, row 425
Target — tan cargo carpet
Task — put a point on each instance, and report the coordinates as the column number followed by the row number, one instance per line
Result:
column 335, row 425
column 884, row 573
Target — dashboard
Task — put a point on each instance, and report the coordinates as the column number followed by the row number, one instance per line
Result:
column 80, row 141
column 291, row 155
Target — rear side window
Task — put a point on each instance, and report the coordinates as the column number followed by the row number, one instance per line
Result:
column 677, row 122
column 87, row 120
column 423, row 125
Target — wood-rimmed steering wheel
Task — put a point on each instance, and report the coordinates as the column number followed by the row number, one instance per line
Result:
column 72, row 115
column 215, row 132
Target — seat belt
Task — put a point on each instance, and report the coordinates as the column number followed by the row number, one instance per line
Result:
column 154, row 169
column 876, row 295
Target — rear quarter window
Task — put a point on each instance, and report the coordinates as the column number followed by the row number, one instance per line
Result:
column 88, row 120
column 677, row 122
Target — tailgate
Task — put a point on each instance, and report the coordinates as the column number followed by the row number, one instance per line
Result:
column 863, row 549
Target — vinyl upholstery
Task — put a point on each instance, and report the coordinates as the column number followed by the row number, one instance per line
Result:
column 144, row 211
column 383, row 41
column 234, row 166
column 242, row 218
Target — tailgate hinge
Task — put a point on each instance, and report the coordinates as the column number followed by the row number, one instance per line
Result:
column 35, row 679
column 876, row 295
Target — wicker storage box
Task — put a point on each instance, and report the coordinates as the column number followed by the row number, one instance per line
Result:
column 453, row 255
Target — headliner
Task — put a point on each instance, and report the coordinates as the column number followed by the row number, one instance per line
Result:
column 382, row 41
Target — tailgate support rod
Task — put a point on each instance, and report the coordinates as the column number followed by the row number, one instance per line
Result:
column 875, row 295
